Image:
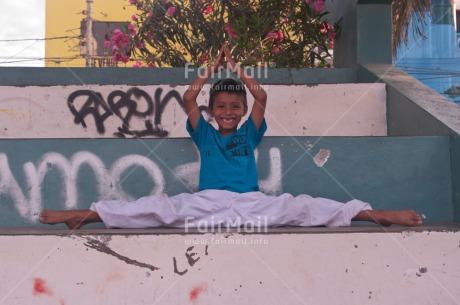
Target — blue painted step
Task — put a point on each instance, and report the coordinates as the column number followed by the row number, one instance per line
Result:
column 388, row 172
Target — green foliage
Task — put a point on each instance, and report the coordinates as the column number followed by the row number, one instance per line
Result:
column 281, row 33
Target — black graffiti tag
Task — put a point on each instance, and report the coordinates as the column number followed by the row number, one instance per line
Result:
column 119, row 100
column 92, row 106
column 190, row 259
column 127, row 106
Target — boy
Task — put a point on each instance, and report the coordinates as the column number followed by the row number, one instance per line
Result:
column 229, row 192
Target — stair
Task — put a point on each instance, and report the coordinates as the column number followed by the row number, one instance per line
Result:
column 373, row 146
column 388, row 172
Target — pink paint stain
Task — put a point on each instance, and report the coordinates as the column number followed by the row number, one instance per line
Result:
column 40, row 287
column 195, row 293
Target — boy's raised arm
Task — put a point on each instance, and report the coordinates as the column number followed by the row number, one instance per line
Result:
column 191, row 106
column 259, row 94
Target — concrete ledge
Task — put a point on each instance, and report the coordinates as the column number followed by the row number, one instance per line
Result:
column 26, row 76
column 403, row 91
column 355, row 228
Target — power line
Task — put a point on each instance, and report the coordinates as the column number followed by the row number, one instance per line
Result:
column 39, row 39
column 41, row 58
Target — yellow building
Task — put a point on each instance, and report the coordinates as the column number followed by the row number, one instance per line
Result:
column 65, row 18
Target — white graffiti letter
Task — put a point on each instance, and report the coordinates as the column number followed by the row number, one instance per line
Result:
column 9, row 185
column 136, row 160
column 272, row 185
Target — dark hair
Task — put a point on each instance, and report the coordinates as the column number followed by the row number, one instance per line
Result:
column 228, row 85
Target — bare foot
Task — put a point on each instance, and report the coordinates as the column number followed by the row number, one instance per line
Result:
column 386, row 218
column 74, row 219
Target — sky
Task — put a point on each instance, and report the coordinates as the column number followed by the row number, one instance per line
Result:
column 21, row 20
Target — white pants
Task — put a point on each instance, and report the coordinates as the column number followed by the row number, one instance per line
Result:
column 227, row 209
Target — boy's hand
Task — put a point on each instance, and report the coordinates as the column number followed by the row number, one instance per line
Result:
column 218, row 62
column 231, row 64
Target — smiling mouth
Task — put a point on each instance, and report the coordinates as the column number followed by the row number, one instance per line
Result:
column 228, row 120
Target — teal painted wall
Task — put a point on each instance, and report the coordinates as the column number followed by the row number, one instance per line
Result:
column 414, row 109
column 455, row 157
column 390, row 173
column 374, row 32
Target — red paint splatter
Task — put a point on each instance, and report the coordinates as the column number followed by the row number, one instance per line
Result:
column 40, row 287
column 196, row 292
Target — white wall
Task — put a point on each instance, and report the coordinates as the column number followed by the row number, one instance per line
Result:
column 346, row 268
column 322, row 110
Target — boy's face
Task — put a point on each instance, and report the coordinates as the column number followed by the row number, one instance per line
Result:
column 228, row 109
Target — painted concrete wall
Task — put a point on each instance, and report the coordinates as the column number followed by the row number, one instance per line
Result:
column 415, row 109
column 389, row 173
column 157, row 111
column 374, row 16
column 408, row 267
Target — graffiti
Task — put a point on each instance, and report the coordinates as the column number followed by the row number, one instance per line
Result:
column 134, row 104
column 95, row 244
column 191, row 260
column 108, row 179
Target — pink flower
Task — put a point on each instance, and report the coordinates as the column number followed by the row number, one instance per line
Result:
column 137, row 64
column 308, row 2
column 151, row 65
column 276, row 36
column 119, row 39
column 138, row 3
column 120, row 57
column 323, row 29
column 319, row 6
column 150, row 14
column 208, row 9
column 107, row 44
column 132, row 29
column 171, row 11
column 230, row 31
column 330, row 32
column 140, row 45
column 133, row 18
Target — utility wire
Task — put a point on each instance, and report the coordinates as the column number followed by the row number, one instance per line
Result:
column 39, row 39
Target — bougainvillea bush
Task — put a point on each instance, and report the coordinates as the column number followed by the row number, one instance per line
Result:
column 281, row 33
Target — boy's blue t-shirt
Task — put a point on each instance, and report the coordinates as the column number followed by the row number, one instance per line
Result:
column 228, row 163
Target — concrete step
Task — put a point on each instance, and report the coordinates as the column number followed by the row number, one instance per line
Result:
column 114, row 111
column 388, row 172
column 307, row 266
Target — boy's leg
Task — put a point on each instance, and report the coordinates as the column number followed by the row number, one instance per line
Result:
column 386, row 218
column 184, row 210
column 304, row 210
column 180, row 211
column 74, row 219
